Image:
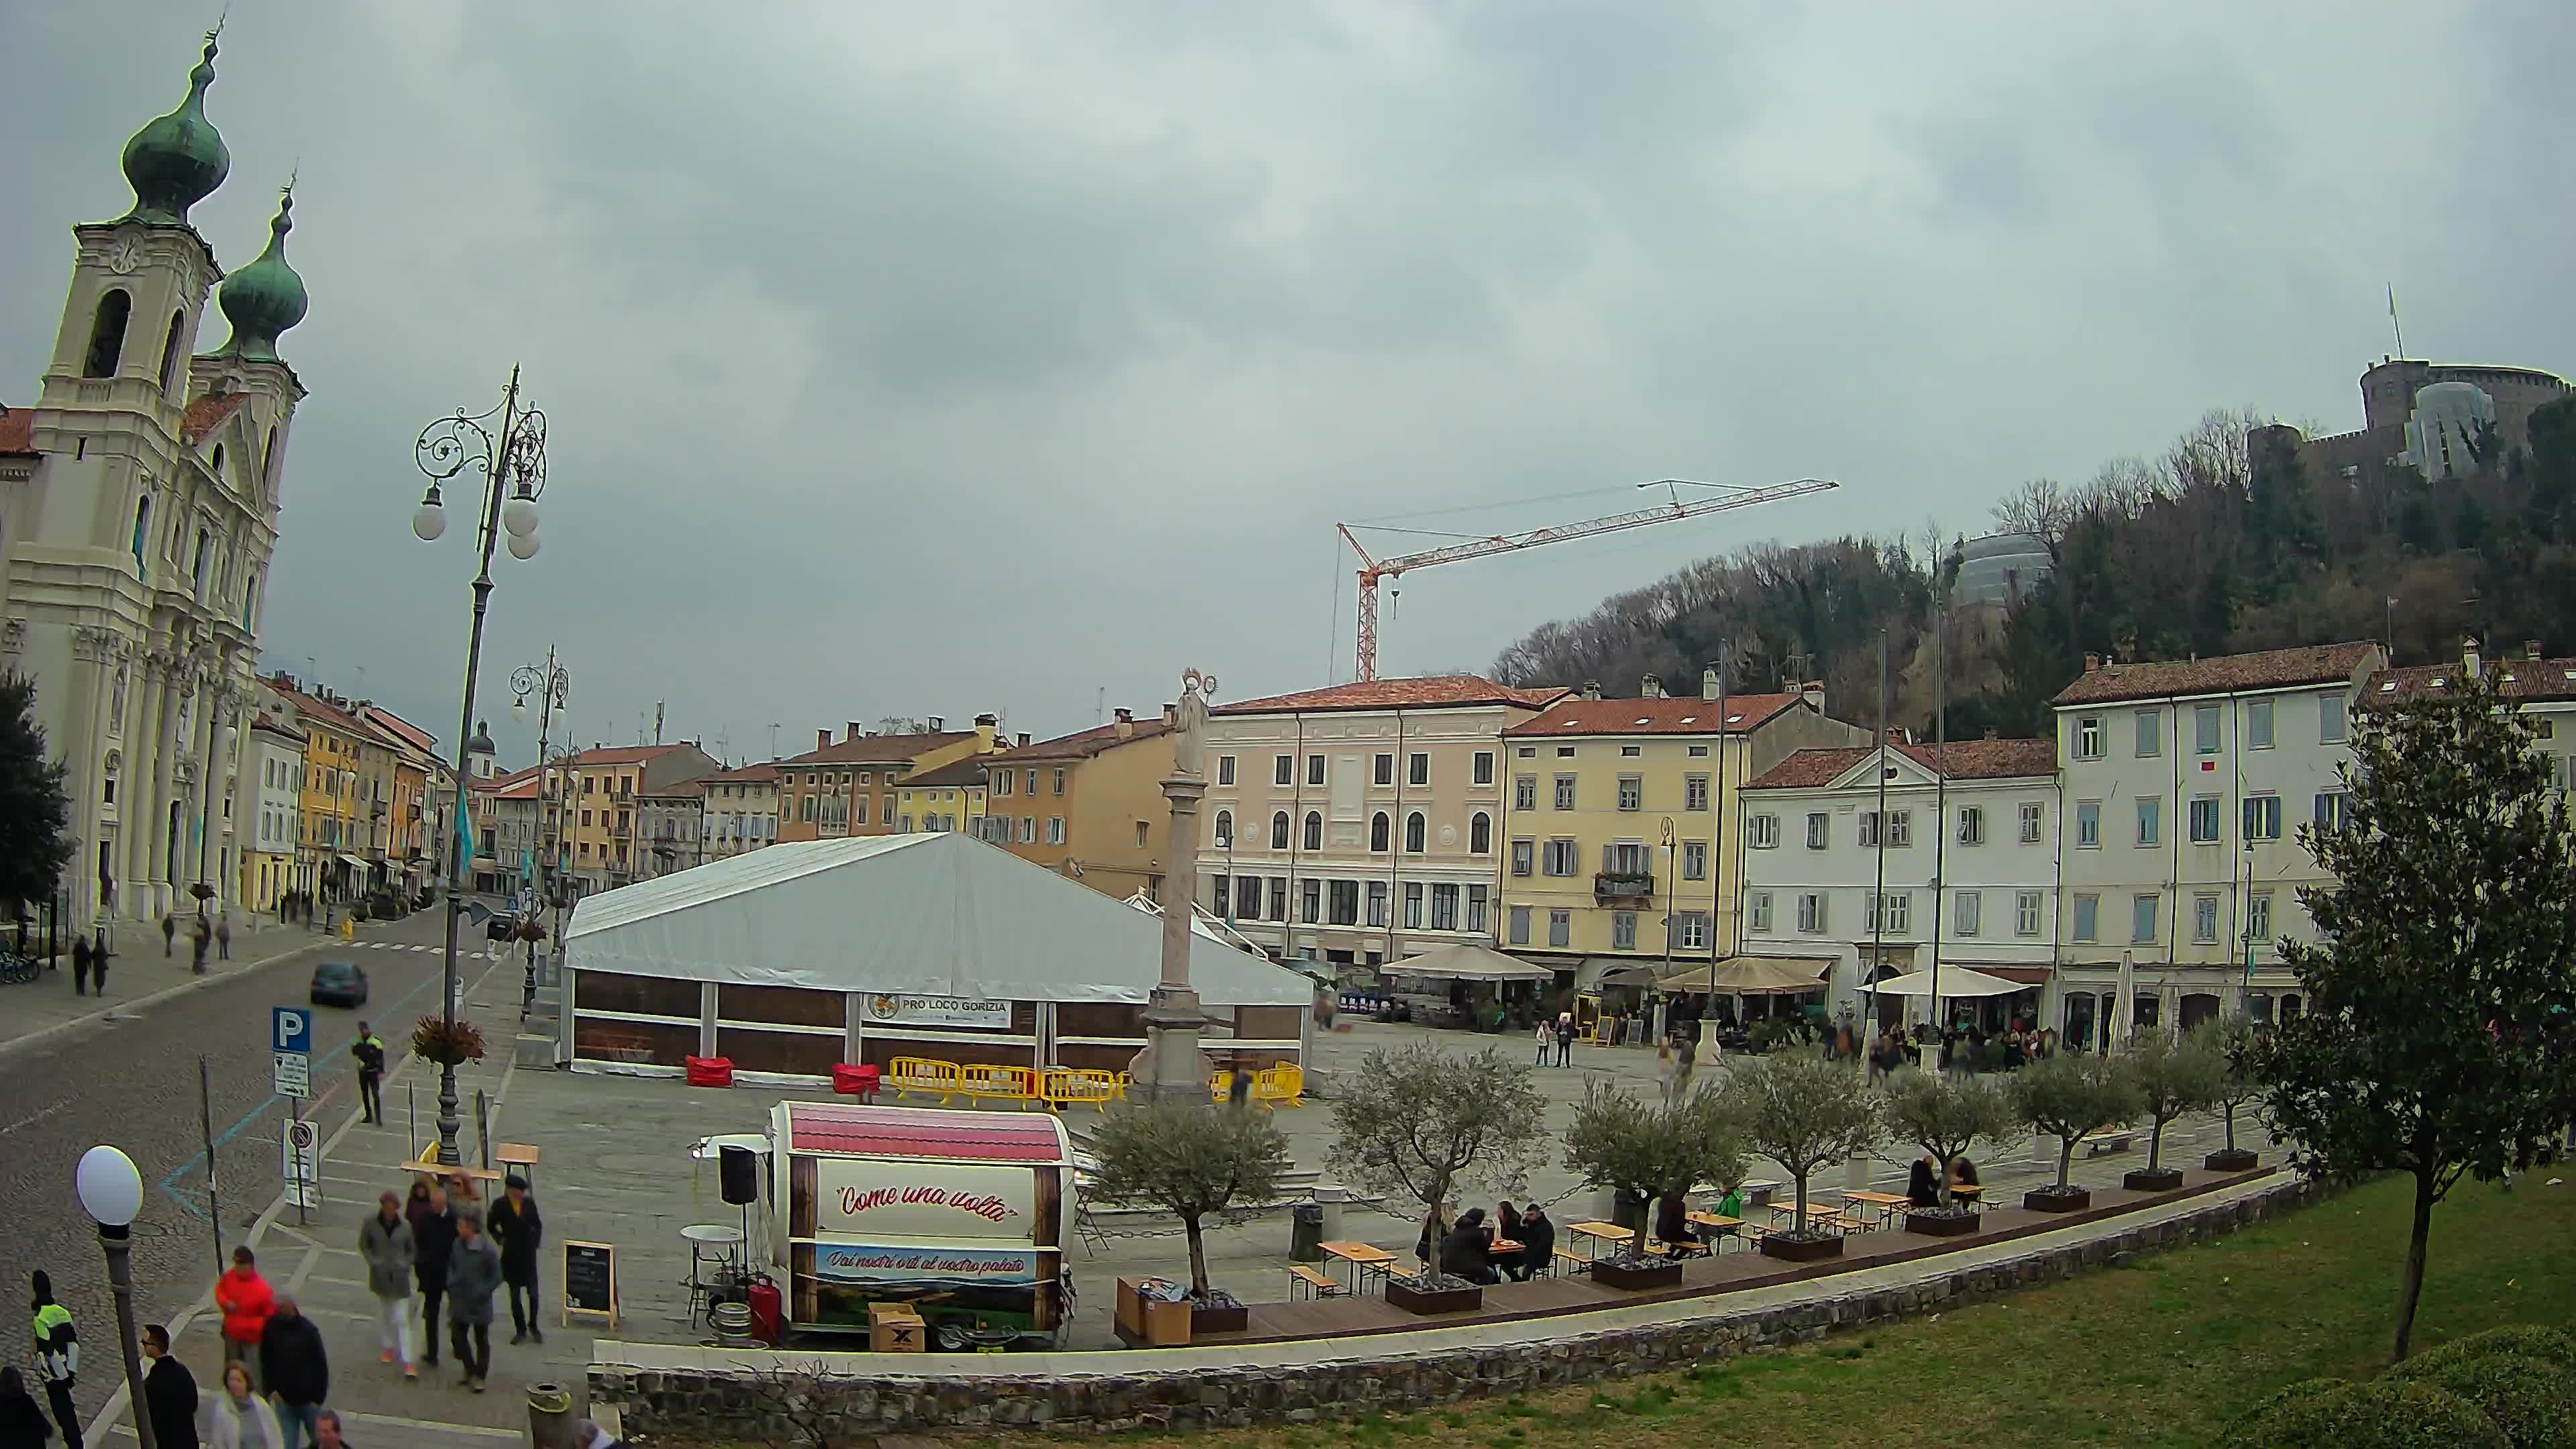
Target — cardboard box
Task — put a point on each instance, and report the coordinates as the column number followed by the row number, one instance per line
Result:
column 896, row 1328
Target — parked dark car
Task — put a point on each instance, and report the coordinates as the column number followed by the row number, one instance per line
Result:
column 339, row 983
column 503, row 926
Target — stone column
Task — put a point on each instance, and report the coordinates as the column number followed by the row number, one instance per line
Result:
column 1172, row 1068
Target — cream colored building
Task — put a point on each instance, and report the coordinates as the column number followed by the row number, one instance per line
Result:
column 1362, row 823
column 742, row 810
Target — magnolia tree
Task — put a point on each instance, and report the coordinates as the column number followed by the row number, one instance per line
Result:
column 1944, row 1117
column 2172, row 1075
column 1618, row 1141
column 2234, row 1041
column 2437, row 1040
column 1804, row 1112
column 1419, row 1122
column 1192, row 1160
column 2067, row 1096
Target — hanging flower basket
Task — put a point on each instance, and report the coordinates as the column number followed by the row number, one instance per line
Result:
column 531, row 930
column 433, row 1040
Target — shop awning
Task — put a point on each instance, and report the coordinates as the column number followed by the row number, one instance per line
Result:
column 1468, row 961
column 1753, row 976
column 1955, row 981
column 352, row 861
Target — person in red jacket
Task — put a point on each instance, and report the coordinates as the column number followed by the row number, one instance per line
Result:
column 246, row 1301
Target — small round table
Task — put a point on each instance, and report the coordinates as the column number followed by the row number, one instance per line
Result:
column 717, row 1243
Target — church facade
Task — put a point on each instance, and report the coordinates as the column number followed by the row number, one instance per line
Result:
column 138, row 515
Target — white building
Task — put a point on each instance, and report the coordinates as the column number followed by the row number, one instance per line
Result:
column 1358, row 824
column 742, row 811
column 138, row 511
column 2542, row 689
column 2185, row 784
column 1964, row 870
column 273, row 761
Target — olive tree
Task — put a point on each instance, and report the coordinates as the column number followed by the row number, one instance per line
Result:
column 1646, row 1150
column 2067, row 1096
column 1944, row 1117
column 1804, row 1112
column 1417, row 1122
column 2172, row 1074
column 1192, row 1160
column 2235, row 1042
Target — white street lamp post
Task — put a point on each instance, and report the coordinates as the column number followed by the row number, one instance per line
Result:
column 111, row 1192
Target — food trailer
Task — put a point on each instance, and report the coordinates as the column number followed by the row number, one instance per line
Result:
column 959, row 1215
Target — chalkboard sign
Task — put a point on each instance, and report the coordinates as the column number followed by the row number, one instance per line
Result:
column 590, row 1280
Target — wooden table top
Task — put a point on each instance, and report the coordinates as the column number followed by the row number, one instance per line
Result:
column 1604, row 1230
column 1713, row 1220
column 1883, row 1199
column 1358, row 1252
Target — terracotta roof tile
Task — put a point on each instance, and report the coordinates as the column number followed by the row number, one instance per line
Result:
column 1433, row 691
column 1575, row 716
column 207, row 413
column 1083, row 744
column 2541, row 679
column 17, row 432
column 748, row 774
column 878, row 749
column 620, row 755
column 968, row 772
column 2269, row 669
column 1967, row 760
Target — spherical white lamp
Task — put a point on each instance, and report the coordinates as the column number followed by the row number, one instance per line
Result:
column 519, row 515
column 429, row 520
column 523, row 545
column 111, row 1191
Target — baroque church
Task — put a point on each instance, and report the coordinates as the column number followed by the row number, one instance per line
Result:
column 138, row 514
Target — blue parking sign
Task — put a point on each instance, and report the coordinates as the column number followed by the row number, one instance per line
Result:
column 290, row 1030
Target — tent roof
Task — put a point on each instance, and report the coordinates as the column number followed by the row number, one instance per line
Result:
column 1468, row 961
column 1955, row 981
column 1753, row 976
column 939, row 914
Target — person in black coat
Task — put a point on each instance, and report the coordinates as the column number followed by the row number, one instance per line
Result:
column 1537, row 1239
column 22, row 1420
column 294, row 1369
column 517, row 1230
column 1468, row 1251
column 169, row 1393
column 1923, row 1183
column 433, row 1234
column 1672, row 1223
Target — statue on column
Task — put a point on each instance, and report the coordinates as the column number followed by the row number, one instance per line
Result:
column 1189, row 738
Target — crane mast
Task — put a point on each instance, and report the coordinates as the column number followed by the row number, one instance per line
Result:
column 1373, row 569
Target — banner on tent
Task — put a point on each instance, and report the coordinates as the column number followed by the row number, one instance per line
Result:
column 939, row 1011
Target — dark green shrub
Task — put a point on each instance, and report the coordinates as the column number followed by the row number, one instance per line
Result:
column 2528, row 1399
column 2386, row 1413
column 2519, row 1340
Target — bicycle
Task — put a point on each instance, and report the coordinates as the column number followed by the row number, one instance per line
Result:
column 17, row 970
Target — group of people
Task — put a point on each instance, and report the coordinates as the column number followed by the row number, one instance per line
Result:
column 203, row 935
column 1517, row 1243
column 1923, row 1183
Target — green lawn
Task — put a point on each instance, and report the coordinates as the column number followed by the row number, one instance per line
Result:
column 2166, row 1351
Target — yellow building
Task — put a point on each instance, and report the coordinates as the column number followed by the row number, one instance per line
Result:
column 331, row 838
column 598, row 813
column 1088, row 805
column 854, row 787
column 949, row 797
column 411, row 847
column 1619, row 819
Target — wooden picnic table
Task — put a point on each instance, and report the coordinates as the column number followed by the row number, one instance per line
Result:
column 1887, row 1203
column 1595, row 1234
column 1364, row 1258
column 1718, row 1224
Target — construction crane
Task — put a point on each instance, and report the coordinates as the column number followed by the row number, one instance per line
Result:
column 1373, row 569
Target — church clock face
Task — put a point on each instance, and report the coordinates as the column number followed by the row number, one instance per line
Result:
column 127, row 256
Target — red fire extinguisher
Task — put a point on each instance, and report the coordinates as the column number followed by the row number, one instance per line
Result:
column 768, row 1311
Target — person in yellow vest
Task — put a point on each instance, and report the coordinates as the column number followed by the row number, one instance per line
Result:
column 57, row 1356
column 370, row 1052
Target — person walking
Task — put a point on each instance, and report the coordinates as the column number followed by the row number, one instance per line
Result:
column 473, row 1272
column 433, row 1238
column 169, row 1393
column 80, row 967
column 296, row 1369
column 21, row 1422
column 520, row 1231
column 326, row 1430
column 169, row 933
column 246, row 1301
column 238, row 1419
column 57, row 1355
column 200, row 937
column 370, row 1053
column 1664, row 1071
column 1546, row 1040
column 385, row 1241
column 224, row 935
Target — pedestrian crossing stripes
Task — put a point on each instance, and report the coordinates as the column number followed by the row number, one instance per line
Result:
column 394, row 946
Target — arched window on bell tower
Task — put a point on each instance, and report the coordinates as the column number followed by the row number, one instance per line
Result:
column 107, row 333
column 170, row 351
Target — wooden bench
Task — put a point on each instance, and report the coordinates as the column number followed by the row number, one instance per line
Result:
column 1561, row 1254
column 1311, row 1282
column 2097, row 1144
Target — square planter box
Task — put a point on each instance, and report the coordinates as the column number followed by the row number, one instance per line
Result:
column 2238, row 1160
column 2050, row 1200
column 2160, row 1179
column 1230, row 1318
column 1802, row 1250
column 1942, row 1225
column 1465, row 1298
column 1611, row 1273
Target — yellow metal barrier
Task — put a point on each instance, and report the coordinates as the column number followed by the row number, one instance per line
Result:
column 981, row 1080
column 1061, row 1087
column 907, row 1075
column 1281, row 1082
column 1220, row 1086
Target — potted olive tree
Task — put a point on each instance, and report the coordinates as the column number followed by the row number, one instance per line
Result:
column 1417, row 1123
column 1944, row 1117
column 1803, row 1112
column 2172, row 1075
column 1194, row 1161
column 2234, row 1040
column 1646, row 1151
column 2067, row 1096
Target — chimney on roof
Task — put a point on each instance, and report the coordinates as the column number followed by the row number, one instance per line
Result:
column 1651, row 687
column 2531, row 649
column 852, row 729
column 938, row 724
column 1125, row 725
column 1592, row 689
column 1813, row 692
column 1171, row 715
column 1708, row 685
column 822, row 739
column 1021, row 739
column 986, row 727
column 2469, row 655
column 2092, row 663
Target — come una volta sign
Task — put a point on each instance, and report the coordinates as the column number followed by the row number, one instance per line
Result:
column 877, row 1200
column 939, row 1011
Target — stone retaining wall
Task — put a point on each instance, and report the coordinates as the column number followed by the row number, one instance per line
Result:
column 738, row 1402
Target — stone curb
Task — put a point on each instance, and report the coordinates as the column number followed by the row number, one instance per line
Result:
column 61, row 1029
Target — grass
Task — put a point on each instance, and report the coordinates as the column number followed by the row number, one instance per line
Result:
column 2167, row 1350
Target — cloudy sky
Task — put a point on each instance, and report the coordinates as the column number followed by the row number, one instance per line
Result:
column 933, row 359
